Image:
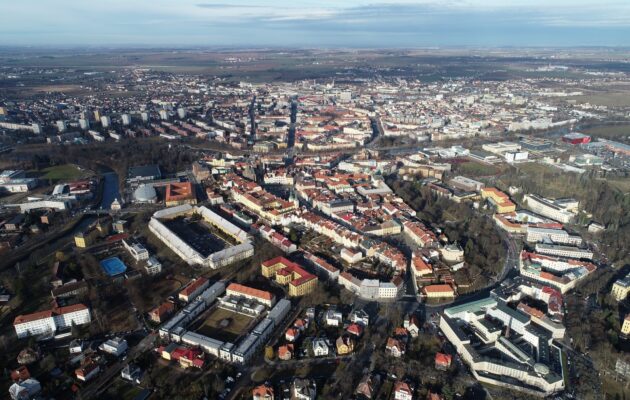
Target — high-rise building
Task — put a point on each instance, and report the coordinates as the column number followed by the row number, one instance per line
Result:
column 106, row 121
column 126, row 119
column 97, row 115
column 181, row 112
column 164, row 115
column 84, row 123
column 145, row 117
column 61, row 125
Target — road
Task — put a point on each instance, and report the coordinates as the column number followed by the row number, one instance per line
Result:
column 95, row 387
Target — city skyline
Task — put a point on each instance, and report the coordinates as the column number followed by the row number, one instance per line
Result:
column 355, row 23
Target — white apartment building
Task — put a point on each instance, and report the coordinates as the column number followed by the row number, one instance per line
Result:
column 552, row 235
column 557, row 210
column 137, row 251
column 49, row 321
column 563, row 251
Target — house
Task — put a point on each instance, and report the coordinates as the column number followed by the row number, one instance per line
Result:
column 402, row 391
column 320, row 348
column 360, row 317
column 286, row 352
column 434, row 396
column 161, row 312
column 310, row 313
column 114, row 346
column 401, row 333
column 443, row 361
column 301, row 324
column 262, row 392
column 333, row 318
column 367, row 387
column 412, row 325
column 88, row 370
column 303, row 389
column 344, row 344
column 355, row 329
column 20, row 374
column 292, row 334
column 131, row 373
column 76, row 346
column 26, row 389
column 395, row 347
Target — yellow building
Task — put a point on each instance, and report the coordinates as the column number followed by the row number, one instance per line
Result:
column 345, row 345
column 302, row 286
column 621, row 288
column 80, row 240
column 625, row 328
column 500, row 200
column 289, row 273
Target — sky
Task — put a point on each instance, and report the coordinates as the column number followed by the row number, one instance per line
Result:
column 324, row 23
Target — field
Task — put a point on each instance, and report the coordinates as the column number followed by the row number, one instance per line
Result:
column 475, row 169
column 607, row 99
column 212, row 326
column 65, row 172
column 612, row 132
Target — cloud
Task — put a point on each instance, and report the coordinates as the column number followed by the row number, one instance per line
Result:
column 227, row 5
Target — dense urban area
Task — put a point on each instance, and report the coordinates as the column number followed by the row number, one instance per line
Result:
column 311, row 224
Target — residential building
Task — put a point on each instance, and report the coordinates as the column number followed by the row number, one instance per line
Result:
column 439, row 291
column 443, row 361
column 303, row 389
column 300, row 282
column 263, row 392
column 395, row 347
column 193, row 289
column 402, row 391
column 345, row 345
column 499, row 200
column 621, row 288
column 161, row 312
column 116, row 346
column 261, row 296
column 553, row 235
column 320, row 348
column 88, row 370
column 559, row 210
column 49, row 321
column 25, row 390
column 625, row 327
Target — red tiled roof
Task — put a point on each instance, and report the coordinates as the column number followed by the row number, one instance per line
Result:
column 237, row 287
column 21, row 319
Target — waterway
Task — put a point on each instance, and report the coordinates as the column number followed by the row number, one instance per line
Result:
column 110, row 190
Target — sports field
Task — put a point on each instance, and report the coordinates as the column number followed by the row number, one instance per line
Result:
column 224, row 325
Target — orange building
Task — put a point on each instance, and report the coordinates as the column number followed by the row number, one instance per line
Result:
column 180, row 193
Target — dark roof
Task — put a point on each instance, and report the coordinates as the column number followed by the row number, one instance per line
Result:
column 144, row 171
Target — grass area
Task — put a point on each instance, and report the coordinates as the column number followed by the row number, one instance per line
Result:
column 608, row 99
column 122, row 390
column 534, row 168
column 621, row 184
column 612, row 132
column 474, row 169
column 62, row 172
column 212, row 326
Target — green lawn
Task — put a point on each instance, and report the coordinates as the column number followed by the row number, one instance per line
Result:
column 62, row 172
column 472, row 168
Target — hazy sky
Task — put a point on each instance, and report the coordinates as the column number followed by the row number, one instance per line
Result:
column 325, row 23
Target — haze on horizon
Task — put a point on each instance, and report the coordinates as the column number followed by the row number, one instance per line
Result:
column 326, row 23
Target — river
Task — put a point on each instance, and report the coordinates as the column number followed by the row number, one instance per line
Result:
column 110, row 190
